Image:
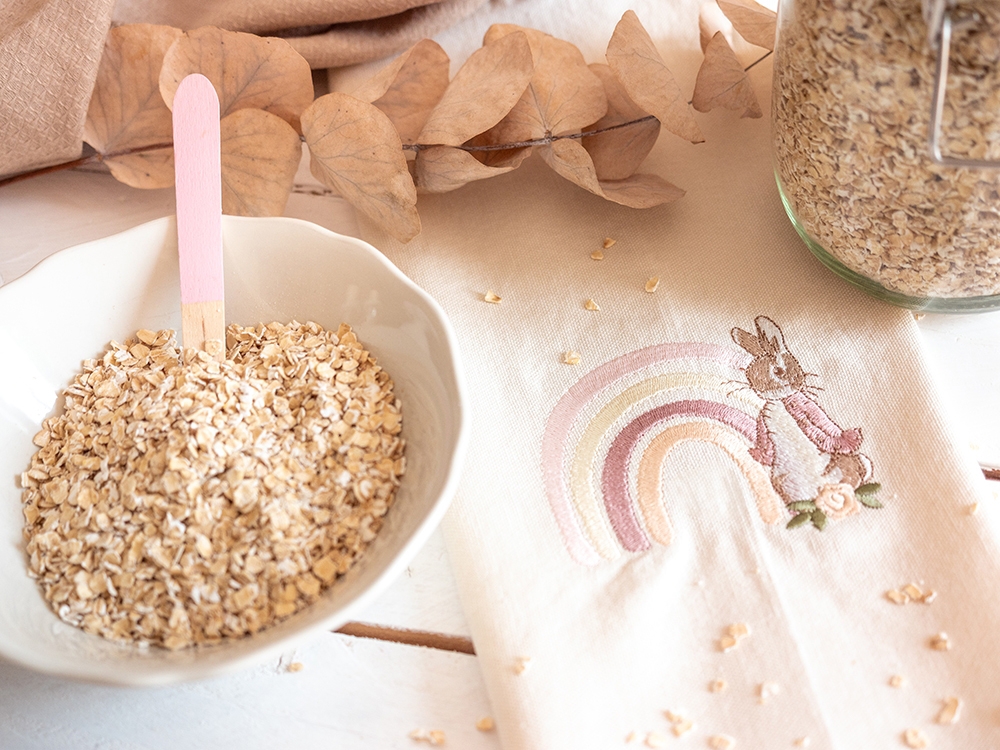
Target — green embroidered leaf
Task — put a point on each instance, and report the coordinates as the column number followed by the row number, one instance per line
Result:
column 869, row 501
column 798, row 520
column 868, row 489
column 819, row 519
column 802, row 505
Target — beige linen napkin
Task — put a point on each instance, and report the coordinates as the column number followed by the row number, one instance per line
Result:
column 328, row 33
column 49, row 51
column 622, row 521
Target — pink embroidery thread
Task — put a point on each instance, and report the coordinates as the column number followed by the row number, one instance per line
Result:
column 614, row 484
column 794, row 456
column 561, row 420
column 816, row 467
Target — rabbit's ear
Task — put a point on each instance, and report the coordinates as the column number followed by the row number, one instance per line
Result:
column 747, row 341
column 769, row 334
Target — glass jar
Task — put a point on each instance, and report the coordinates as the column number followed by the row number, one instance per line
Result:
column 886, row 122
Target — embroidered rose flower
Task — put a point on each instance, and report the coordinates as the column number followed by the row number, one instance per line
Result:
column 837, row 500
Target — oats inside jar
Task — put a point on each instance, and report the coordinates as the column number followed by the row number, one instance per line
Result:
column 177, row 500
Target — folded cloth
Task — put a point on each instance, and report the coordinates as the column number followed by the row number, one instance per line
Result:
column 328, row 33
column 49, row 52
column 688, row 520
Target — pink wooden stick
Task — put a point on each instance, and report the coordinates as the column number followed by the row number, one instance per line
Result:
column 198, row 179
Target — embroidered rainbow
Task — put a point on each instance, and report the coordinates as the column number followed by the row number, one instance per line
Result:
column 608, row 436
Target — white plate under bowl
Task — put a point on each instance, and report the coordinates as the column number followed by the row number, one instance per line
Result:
column 69, row 307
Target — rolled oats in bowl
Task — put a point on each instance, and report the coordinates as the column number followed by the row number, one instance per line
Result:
column 852, row 107
column 177, row 500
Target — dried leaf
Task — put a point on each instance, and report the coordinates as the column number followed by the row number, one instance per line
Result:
column 440, row 169
column 562, row 97
column 356, row 151
column 571, row 160
column 710, row 20
column 641, row 191
column 504, row 157
column 260, row 155
column 722, row 82
column 485, row 88
column 409, row 88
column 248, row 71
column 754, row 22
column 147, row 169
column 126, row 110
column 618, row 153
column 637, row 64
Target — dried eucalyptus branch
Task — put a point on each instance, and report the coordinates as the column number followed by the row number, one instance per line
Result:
column 94, row 158
column 523, row 91
column 543, row 141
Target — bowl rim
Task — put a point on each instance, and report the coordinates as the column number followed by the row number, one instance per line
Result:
column 195, row 670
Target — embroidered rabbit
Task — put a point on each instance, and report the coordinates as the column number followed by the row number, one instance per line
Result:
column 805, row 450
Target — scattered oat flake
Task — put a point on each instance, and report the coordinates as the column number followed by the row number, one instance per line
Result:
column 521, row 664
column 929, row 597
column 296, row 666
column 738, row 630
column 571, row 357
column 717, row 686
column 431, row 737
column 941, row 642
column 914, row 738
column 919, row 315
column 727, row 643
column 972, row 509
column 492, row 297
column 802, row 742
column 656, row 739
column 682, row 727
column 913, row 591
column 652, row 283
column 597, row 255
column 486, row 724
column 721, row 742
column 632, row 736
column 896, row 597
column 767, row 690
column 608, row 242
column 897, row 681
column 591, row 305
column 951, row 710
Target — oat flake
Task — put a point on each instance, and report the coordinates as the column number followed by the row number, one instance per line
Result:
column 656, row 739
column 914, row 738
column 721, row 742
column 486, row 724
column 178, row 500
column 950, row 712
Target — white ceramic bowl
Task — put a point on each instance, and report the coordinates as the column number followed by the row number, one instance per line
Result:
column 68, row 308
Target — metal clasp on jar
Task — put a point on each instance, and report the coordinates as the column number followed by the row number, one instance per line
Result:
column 944, row 19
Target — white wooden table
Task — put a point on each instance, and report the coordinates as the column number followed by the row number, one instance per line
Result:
column 353, row 692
